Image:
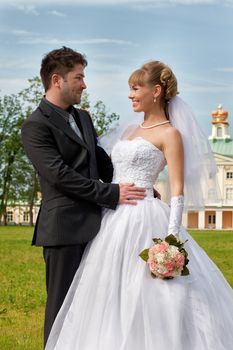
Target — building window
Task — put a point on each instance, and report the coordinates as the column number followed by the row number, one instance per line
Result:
column 26, row 216
column 229, row 174
column 211, row 219
column 212, row 194
column 229, row 193
column 219, row 132
column 9, row 216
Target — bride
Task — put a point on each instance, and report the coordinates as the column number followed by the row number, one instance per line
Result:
column 113, row 303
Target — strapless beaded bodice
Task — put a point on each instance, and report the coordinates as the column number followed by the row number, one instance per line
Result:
column 137, row 161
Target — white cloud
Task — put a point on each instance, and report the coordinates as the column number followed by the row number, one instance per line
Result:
column 30, row 3
column 12, row 86
column 208, row 88
column 225, row 69
column 55, row 41
column 32, row 38
column 23, row 33
column 10, row 63
column 56, row 13
column 201, row 85
column 29, row 9
column 192, row 2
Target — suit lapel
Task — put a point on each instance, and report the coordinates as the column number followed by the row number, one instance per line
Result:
column 90, row 139
column 57, row 120
column 86, row 127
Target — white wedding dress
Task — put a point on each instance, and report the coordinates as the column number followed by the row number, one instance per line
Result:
column 115, row 304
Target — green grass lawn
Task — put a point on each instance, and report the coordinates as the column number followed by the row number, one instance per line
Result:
column 219, row 246
column 22, row 292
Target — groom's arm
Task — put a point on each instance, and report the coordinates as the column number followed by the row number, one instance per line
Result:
column 42, row 151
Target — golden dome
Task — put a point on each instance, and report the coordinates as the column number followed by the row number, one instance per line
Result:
column 219, row 116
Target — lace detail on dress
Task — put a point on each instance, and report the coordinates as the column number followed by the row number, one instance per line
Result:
column 137, row 161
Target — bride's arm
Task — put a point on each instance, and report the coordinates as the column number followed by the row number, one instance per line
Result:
column 173, row 151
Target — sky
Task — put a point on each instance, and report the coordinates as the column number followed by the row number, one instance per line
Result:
column 194, row 37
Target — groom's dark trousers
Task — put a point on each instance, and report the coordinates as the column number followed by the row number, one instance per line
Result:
column 69, row 169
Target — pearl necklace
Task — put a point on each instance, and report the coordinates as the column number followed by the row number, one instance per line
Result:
column 153, row 126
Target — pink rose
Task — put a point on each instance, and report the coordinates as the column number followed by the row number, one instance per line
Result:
column 170, row 265
column 180, row 260
column 168, row 274
column 158, row 248
column 152, row 265
column 163, row 247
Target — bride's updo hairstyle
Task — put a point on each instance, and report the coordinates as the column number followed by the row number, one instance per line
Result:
column 156, row 73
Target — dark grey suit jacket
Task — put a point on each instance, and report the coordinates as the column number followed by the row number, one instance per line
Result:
column 69, row 171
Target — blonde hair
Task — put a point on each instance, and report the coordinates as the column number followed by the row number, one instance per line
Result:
column 153, row 73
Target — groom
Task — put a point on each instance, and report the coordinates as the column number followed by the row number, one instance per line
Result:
column 60, row 141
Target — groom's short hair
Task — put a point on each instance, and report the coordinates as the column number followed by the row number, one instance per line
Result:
column 59, row 61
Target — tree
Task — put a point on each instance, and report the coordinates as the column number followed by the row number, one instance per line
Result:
column 30, row 98
column 102, row 119
column 11, row 119
column 18, row 180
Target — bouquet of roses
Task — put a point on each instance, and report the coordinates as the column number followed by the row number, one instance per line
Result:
column 167, row 258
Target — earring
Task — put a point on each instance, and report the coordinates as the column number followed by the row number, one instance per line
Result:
column 154, row 99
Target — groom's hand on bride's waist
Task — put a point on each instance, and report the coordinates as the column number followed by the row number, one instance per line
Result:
column 129, row 193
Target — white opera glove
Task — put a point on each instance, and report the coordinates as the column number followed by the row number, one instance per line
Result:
column 175, row 219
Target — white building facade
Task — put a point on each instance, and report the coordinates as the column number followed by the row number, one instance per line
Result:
column 218, row 216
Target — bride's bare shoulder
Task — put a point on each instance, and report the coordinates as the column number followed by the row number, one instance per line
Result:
column 171, row 135
column 171, row 131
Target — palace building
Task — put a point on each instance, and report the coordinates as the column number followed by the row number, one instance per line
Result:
column 218, row 216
